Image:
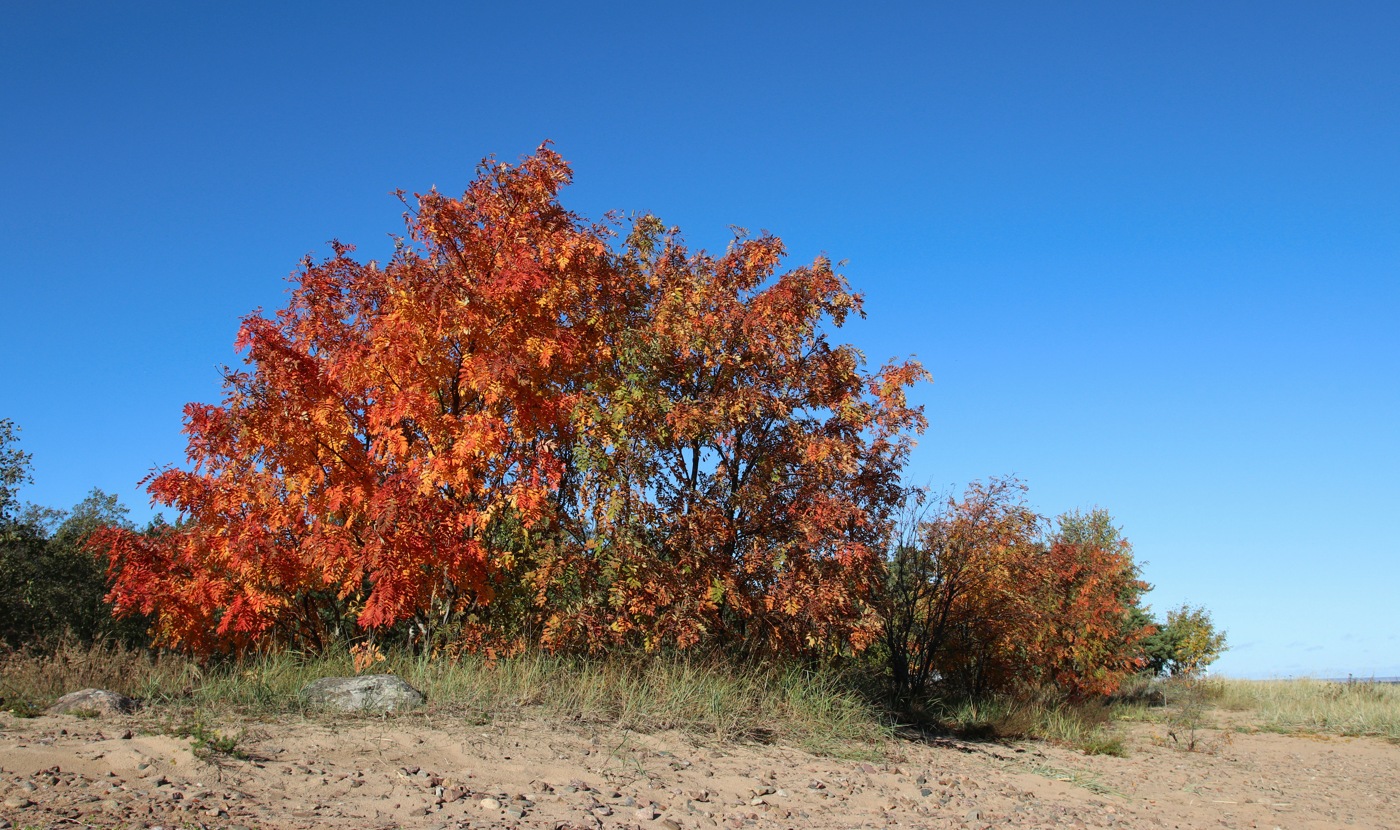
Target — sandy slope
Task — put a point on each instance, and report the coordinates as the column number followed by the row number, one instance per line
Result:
column 435, row 771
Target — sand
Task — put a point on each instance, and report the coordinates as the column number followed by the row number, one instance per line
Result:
column 440, row 771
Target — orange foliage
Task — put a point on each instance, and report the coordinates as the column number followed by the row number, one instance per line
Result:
column 980, row 600
column 515, row 434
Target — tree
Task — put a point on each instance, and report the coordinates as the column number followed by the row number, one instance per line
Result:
column 1185, row 644
column 513, row 433
column 14, row 471
column 53, row 585
column 1088, row 642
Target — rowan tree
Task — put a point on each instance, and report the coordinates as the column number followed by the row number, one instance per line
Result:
column 519, row 433
column 739, row 470
column 1090, row 638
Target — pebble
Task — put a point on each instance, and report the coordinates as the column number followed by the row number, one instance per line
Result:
column 489, row 803
column 18, row 802
column 646, row 813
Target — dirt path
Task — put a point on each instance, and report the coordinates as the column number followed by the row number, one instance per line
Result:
column 431, row 772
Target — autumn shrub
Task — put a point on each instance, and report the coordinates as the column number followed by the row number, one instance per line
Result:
column 955, row 589
column 521, row 431
column 981, row 599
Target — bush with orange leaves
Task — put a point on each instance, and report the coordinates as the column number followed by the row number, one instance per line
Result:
column 981, row 596
column 517, row 432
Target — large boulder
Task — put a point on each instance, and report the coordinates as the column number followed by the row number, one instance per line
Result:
column 93, row 703
column 365, row 693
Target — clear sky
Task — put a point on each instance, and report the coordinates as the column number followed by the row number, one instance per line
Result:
column 1150, row 252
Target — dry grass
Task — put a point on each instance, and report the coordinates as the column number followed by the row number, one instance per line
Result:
column 708, row 700
column 31, row 680
column 1320, row 706
column 1084, row 726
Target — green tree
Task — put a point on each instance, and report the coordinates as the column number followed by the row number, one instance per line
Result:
column 1185, row 644
column 14, row 471
column 53, row 585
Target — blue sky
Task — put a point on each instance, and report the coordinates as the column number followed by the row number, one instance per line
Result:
column 1150, row 255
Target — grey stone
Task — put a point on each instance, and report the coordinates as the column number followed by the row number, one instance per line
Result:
column 93, row 702
column 365, row 693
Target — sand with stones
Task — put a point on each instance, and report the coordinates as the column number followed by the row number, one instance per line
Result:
column 436, row 771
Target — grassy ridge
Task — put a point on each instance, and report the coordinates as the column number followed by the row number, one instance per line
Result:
column 828, row 712
column 786, row 703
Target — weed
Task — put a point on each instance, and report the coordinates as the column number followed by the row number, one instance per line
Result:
column 206, row 741
column 1103, row 743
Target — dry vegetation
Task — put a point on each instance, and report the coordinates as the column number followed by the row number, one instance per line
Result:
column 826, row 711
column 711, row 700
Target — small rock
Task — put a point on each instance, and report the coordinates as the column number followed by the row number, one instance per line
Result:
column 93, row 702
column 972, row 815
column 489, row 803
column 515, row 813
column 646, row 813
column 18, row 802
column 670, row 824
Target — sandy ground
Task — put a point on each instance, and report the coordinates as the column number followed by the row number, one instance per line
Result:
column 438, row 772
